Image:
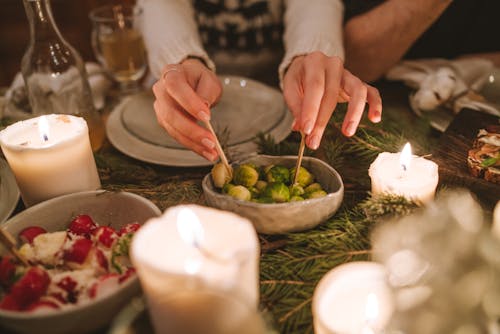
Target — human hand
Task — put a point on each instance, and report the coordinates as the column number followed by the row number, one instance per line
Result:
column 312, row 87
column 184, row 94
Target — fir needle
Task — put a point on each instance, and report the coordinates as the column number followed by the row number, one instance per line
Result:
column 299, row 156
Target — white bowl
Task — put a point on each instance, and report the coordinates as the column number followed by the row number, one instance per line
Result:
column 107, row 208
column 279, row 218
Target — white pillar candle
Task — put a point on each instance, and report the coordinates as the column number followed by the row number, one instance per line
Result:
column 192, row 249
column 50, row 156
column 353, row 298
column 404, row 174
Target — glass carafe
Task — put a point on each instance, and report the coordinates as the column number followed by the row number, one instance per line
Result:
column 54, row 73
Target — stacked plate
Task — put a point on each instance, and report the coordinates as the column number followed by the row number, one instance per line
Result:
column 245, row 109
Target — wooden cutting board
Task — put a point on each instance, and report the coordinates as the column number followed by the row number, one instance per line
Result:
column 451, row 155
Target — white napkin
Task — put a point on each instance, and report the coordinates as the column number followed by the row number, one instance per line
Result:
column 450, row 83
column 17, row 100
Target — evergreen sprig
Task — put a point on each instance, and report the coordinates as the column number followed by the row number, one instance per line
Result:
column 290, row 274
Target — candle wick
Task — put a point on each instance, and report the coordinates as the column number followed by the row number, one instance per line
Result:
column 45, row 137
column 404, row 167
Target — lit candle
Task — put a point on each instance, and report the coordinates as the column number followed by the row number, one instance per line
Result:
column 353, row 298
column 195, row 255
column 404, row 174
column 50, row 156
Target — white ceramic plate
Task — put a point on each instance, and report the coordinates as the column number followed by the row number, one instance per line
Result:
column 9, row 192
column 245, row 109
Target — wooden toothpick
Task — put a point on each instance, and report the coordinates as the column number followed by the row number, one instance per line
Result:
column 218, row 147
column 299, row 156
column 10, row 243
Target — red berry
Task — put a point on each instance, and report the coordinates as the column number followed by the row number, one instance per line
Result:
column 129, row 228
column 41, row 305
column 67, row 284
column 78, row 251
column 101, row 259
column 105, row 285
column 9, row 303
column 82, row 225
column 30, row 287
column 30, row 233
column 106, row 236
column 7, row 270
column 130, row 272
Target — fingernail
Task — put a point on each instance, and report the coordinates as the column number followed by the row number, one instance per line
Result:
column 314, row 142
column 377, row 116
column 208, row 143
column 350, row 128
column 203, row 116
column 309, row 127
column 210, row 156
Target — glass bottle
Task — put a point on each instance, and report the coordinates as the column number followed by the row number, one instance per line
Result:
column 54, row 73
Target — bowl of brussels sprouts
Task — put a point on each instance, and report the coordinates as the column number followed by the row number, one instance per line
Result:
column 260, row 189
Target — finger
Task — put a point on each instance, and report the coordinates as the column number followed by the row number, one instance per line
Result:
column 209, row 88
column 314, row 86
column 168, row 112
column 208, row 154
column 293, row 94
column 357, row 91
column 181, row 91
column 375, row 104
column 333, row 78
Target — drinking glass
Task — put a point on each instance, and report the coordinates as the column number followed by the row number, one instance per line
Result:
column 118, row 44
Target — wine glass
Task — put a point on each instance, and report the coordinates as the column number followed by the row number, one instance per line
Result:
column 118, row 44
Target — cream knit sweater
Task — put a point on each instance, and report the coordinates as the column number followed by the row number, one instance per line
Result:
column 171, row 34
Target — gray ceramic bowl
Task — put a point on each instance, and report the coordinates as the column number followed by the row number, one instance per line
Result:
column 115, row 209
column 284, row 217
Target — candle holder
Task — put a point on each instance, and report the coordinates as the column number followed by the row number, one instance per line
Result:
column 353, row 298
column 50, row 156
column 198, row 263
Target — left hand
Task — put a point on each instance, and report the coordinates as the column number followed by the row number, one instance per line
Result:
column 312, row 87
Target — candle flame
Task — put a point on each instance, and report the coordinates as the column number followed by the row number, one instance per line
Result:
column 43, row 128
column 371, row 308
column 189, row 227
column 405, row 157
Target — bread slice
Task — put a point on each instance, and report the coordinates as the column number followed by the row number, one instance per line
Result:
column 484, row 157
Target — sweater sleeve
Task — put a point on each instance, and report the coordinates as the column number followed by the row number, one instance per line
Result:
column 313, row 25
column 170, row 33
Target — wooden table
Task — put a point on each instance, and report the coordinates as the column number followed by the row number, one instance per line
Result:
column 162, row 184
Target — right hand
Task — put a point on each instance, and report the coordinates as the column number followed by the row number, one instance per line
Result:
column 184, row 94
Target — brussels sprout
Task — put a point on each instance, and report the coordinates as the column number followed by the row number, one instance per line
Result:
column 278, row 174
column 245, row 175
column 296, row 199
column 296, row 190
column 254, row 192
column 220, row 175
column 227, row 187
column 312, row 187
column 316, row 194
column 304, row 178
column 278, row 192
column 261, row 185
column 240, row 192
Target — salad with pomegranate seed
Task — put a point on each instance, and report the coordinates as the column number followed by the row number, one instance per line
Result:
column 68, row 268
